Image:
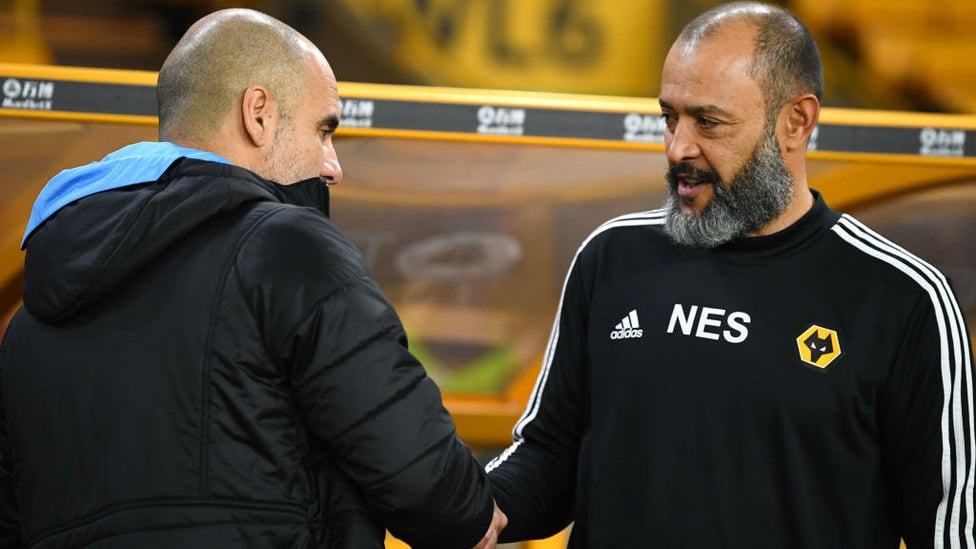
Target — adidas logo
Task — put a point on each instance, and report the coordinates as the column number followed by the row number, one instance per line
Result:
column 627, row 328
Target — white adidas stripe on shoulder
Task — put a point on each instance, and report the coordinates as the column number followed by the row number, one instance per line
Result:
column 651, row 217
column 956, row 367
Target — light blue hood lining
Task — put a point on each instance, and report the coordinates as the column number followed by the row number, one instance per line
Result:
column 142, row 162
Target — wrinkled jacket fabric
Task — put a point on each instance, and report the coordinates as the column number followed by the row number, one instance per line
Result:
column 200, row 363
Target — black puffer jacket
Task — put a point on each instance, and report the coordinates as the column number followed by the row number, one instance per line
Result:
column 203, row 365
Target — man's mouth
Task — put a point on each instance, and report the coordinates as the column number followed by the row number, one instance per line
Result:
column 689, row 187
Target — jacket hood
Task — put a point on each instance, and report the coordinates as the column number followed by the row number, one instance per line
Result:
column 137, row 163
column 93, row 227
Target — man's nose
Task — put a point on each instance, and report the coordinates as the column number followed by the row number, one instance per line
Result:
column 682, row 145
column 331, row 171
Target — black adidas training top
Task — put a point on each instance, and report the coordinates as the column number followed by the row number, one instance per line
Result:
column 807, row 389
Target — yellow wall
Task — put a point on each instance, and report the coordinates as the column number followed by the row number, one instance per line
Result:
column 582, row 46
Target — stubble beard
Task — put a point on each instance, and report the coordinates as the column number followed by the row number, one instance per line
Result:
column 757, row 195
column 283, row 166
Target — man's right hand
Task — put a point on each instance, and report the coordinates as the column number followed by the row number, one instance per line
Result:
column 498, row 523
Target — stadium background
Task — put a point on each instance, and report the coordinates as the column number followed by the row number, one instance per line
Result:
column 471, row 232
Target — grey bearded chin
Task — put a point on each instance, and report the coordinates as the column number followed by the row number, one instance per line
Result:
column 757, row 195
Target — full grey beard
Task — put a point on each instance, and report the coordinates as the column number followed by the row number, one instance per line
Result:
column 758, row 194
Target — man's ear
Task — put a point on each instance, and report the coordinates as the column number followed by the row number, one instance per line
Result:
column 801, row 116
column 259, row 113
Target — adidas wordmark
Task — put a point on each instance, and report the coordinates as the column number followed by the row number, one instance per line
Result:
column 627, row 328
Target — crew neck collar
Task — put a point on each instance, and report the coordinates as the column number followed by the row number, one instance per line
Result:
column 815, row 222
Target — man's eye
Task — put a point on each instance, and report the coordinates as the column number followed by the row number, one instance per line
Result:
column 706, row 122
column 669, row 119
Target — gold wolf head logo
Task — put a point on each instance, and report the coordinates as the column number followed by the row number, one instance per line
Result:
column 818, row 346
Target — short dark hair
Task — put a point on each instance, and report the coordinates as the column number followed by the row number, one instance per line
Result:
column 786, row 61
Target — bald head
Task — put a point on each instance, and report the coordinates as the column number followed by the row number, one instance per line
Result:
column 785, row 60
column 219, row 57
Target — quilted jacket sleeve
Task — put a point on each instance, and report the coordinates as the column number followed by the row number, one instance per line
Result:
column 362, row 393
